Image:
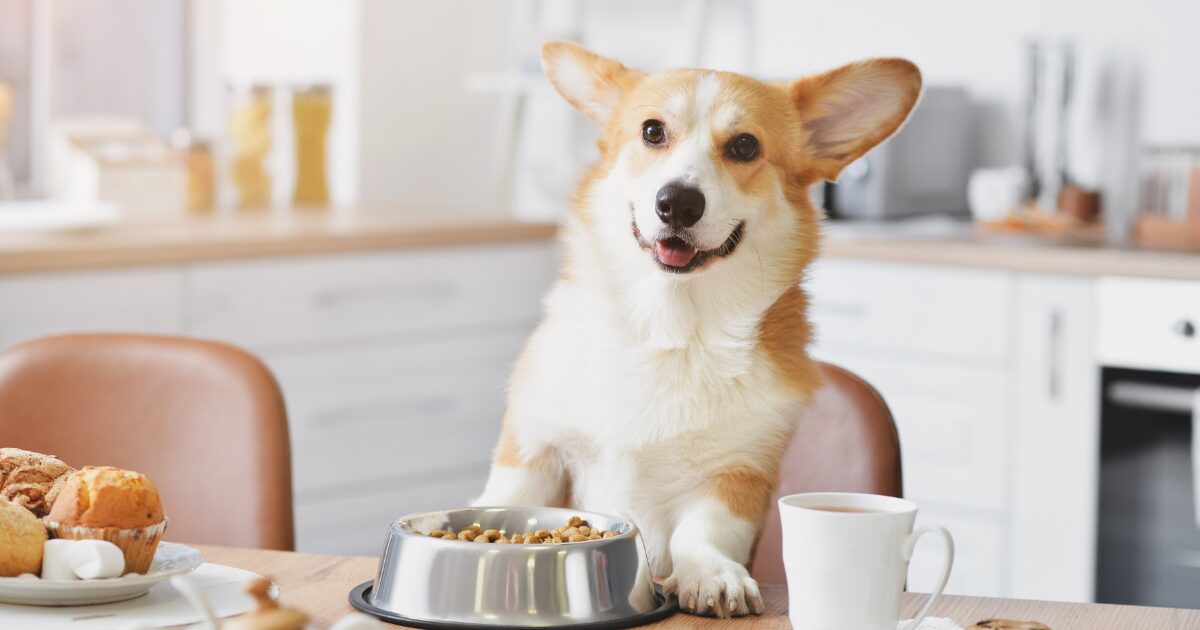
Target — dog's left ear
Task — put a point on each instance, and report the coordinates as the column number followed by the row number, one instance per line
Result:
column 849, row 110
column 591, row 83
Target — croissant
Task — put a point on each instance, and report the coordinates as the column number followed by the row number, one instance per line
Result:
column 31, row 480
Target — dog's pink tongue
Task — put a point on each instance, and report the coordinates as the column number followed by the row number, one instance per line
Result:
column 674, row 254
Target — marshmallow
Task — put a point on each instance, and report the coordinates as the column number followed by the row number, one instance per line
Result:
column 356, row 621
column 55, row 563
column 96, row 559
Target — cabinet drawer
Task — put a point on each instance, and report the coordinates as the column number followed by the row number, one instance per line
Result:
column 1148, row 323
column 304, row 299
column 356, row 523
column 953, row 424
column 394, row 412
column 930, row 310
column 135, row 300
column 979, row 555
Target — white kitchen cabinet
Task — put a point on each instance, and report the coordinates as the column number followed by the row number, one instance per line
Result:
column 910, row 309
column 994, row 385
column 980, row 557
column 394, row 411
column 145, row 300
column 355, row 523
column 1160, row 311
column 1057, row 438
column 936, row 343
column 302, row 301
column 381, row 431
column 392, row 364
column 953, row 422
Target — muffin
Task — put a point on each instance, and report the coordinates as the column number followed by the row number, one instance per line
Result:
column 31, row 480
column 22, row 537
column 106, row 503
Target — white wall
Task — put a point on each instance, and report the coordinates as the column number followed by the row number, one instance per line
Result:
column 979, row 45
column 426, row 140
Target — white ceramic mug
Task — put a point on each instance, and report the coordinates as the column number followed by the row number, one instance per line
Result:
column 846, row 558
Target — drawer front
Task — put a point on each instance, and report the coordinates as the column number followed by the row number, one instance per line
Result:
column 137, row 300
column 266, row 303
column 1147, row 323
column 356, row 522
column 901, row 307
column 394, row 413
column 953, row 422
column 979, row 555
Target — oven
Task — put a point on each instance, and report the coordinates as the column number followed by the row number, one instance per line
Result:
column 1148, row 543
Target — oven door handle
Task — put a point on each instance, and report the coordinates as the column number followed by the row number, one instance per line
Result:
column 1166, row 398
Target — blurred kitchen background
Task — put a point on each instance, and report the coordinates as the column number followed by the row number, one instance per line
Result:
column 365, row 192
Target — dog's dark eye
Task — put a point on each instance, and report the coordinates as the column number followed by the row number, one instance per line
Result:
column 653, row 132
column 743, row 148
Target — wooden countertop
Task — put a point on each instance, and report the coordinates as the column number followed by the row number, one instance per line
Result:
column 225, row 237
column 231, row 237
column 1019, row 254
column 318, row 585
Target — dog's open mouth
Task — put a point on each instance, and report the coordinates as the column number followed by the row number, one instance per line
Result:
column 675, row 254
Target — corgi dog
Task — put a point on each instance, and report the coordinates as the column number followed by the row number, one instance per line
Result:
column 670, row 369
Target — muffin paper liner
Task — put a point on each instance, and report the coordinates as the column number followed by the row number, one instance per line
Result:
column 138, row 544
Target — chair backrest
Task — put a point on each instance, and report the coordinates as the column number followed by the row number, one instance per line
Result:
column 845, row 442
column 204, row 420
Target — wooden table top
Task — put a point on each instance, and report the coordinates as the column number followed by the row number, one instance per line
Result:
column 318, row 585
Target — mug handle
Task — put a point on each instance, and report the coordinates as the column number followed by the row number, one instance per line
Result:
column 907, row 551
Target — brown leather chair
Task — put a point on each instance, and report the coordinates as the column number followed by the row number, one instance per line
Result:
column 204, row 420
column 846, row 442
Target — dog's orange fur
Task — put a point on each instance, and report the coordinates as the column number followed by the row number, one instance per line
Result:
column 745, row 491
column 783, row 334
column 506, row 453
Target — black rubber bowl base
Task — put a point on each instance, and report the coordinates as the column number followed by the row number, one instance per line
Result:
column 359, row 598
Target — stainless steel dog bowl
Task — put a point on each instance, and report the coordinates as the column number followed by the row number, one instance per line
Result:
column 428, row 582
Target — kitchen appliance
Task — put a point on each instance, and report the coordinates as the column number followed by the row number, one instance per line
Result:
column 923, row 169
column 1148, row 548
column 428, row 582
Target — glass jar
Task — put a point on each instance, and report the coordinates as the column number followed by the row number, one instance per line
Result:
column 250, row 139
column 198, row 160
column 6, row 176
column 312, row 110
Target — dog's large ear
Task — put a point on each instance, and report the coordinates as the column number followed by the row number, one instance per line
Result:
column 589, row 82
column 848, row 110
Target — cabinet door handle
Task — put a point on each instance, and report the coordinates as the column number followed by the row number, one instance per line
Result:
column 1054, row 377
column 376, row 296
column 1154, row 397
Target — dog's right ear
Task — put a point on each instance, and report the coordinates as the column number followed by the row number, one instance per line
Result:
column 849, row 110
column 591, row 83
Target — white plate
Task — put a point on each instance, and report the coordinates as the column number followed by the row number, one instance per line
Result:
column 169, row 559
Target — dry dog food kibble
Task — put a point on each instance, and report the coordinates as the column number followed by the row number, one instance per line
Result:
column 576, row 530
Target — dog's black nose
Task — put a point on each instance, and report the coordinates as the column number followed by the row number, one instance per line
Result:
column 679, row 205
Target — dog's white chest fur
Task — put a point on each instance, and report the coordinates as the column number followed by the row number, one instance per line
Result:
column 637, row 425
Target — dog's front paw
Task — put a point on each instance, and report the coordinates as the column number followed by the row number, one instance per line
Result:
column 714, row 586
